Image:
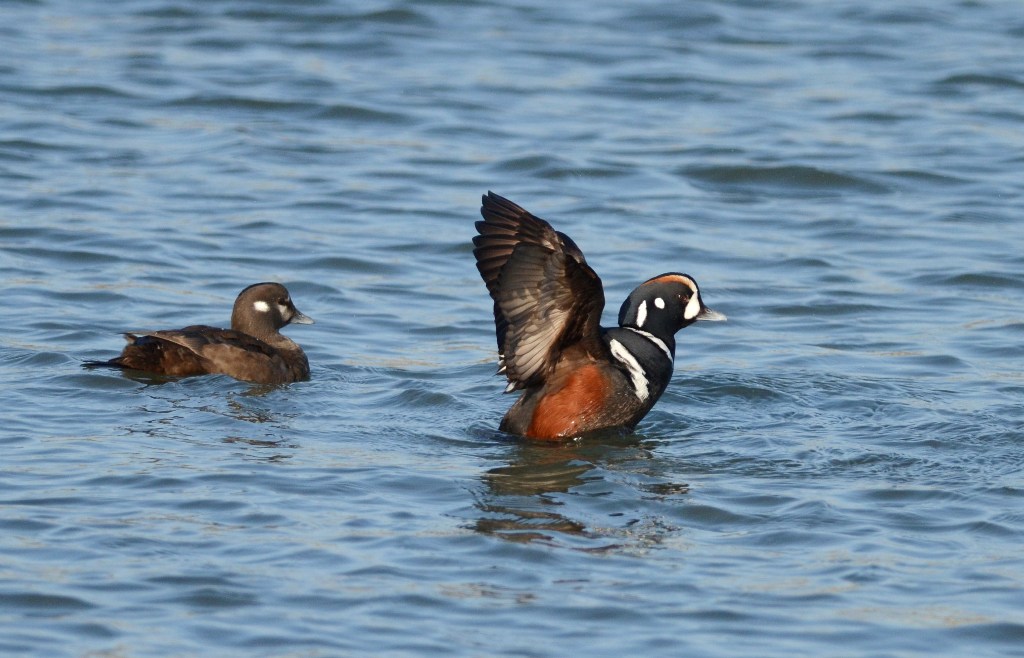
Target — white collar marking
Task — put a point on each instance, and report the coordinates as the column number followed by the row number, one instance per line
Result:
column 636, row 372
column 654, row 339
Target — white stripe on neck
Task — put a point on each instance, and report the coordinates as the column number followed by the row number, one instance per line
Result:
column 636, row 372
column 654, row 339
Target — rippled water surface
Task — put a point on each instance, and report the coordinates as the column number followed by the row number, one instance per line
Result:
column 836, row 471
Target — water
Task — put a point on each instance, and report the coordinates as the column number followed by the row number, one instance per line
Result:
column 836, row 471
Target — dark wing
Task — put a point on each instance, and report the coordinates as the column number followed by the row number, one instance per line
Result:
column 202, row 350
column 505, row 225
column 546, row 297
column 162, row 352
column 238, row 355
column 211, row 343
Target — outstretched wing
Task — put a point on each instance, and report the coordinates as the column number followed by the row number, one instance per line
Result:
column 546, row 297
column 506, row 225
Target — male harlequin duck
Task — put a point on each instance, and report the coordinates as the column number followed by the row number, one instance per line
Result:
column 576, row 376
column 252, row 350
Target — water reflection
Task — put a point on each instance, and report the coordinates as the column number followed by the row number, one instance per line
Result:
column 207, row 410
column 263, row 450
column 534, row 497
column 519, row 504
column 247, row 412
column 150, row 379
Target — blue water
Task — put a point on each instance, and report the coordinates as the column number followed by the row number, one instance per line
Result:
column 836, row 471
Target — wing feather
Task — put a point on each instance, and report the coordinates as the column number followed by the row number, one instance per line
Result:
column 207, row 342
column 545, row 295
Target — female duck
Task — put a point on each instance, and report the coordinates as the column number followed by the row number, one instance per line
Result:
column 253, row 350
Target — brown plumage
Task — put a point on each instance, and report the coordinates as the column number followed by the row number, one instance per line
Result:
column 253, row 350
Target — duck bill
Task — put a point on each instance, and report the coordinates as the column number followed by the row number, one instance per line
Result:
column 708, row 315
column 300, row 318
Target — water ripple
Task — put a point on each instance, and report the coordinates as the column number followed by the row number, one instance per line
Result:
column 836, row 466
column 782, row 178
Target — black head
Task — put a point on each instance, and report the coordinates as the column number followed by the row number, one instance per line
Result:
column 263, row 308
column 663, row 305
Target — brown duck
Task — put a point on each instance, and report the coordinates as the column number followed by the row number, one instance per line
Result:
column 253, row 350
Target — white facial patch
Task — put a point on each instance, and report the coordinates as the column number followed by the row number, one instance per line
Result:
column 636, row 373
column 659, row 302
column 692, row 308
column 641, row 314
column 261, row 306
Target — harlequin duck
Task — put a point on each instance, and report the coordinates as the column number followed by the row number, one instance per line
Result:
column 252, row 350
column 576, row 376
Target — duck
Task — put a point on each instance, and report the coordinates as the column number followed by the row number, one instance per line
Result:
column 252, row 350
column 575, row 376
